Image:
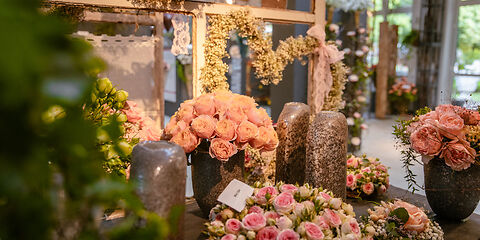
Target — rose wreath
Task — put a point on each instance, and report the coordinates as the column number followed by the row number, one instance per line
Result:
column 399, row 220
column 449, row 133
column 366, row 176
column 286, row 211
column 226, row 121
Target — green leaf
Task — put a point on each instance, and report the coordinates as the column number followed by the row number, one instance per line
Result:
column 400, row 213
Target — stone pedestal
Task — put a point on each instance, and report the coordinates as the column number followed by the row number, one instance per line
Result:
column 160, row 169
column 292, row 130
column 327, row 152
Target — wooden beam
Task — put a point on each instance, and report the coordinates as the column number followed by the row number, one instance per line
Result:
column 267, row 14
column 119, row 18
column 158, row 73
column 381, row 102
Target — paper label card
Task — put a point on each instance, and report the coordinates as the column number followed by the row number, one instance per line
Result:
column 235, row 195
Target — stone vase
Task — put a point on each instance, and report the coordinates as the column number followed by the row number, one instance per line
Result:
column 292, row 128
column 159, row 170
column 211, row 176
column 326, row 164
column 452, row 195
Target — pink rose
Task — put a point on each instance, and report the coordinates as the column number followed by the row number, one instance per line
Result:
column 367, row 170
column 368, row 188
column 470, row 117
column 383, row 189
column 186, row 139
column 351, row 181
column 260, row 196
column 458, row 155
column 447, row 109
column 235, row 113
column 204, row 105
column 284, row 202
column 426, row 140
column 233, row 226
column 255, row 209
column 254, row 221
column 203, row 126
column 332, row 217
column 381, row 167
column 272, row 140
column 288, row 234
column 226, row 129
column 262, row 138
column 246, row 131
column 322, row 222
column 352, row 162
column 259, row 117
column 298, row 209
column 289, row 188
column 429, row 116
column 351, row 226
column 150, row 134
column 268, row 233
column 313, row 231
column 417, row 221
column 284, row 223
column 229, row 237
column 245, row 102
column 272, row 215
column 222, row 149
column 450, row 126
column 358, row 176
column 134, row 115
column 185, row 113
column 173, row 127
column 222, row 100
column 326, row 196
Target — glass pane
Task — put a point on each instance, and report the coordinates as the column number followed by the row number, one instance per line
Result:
column 378, row 5
column 399, row 3
column 467, row 65
column 302, row 5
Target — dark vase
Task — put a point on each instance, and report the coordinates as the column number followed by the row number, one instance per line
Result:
column 211, row 176
column 452, row 195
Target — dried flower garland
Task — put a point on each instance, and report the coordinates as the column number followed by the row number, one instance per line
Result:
column 259, row 165
column 156, row 3
column 351, row 5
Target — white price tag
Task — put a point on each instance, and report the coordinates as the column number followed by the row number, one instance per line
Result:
column 235, row 194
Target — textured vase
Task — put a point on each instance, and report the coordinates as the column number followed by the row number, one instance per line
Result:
column 292, row 130
column 211, row 176
column 452, row 195
column 160, row 169
column 326, row 164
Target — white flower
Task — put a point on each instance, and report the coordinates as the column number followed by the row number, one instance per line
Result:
column 347, row 50
column 241, row 237
column 364, row 126
column 301, row 229
column 355, row 141
column 284, row 223
column 362, row 99
column 361, row 30
column 351, row 33
column 357, row 115
column 336, row 203
column 359, row 53
column 251, row 235
column 350, row 121
column 365, row 49
column 304, row 191
column 370, row 230
column 353, row 78
column 333, row 28
column 348, row 209
column 339, row 42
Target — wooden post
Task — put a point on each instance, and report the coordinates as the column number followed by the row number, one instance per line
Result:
column 158, row 76
column 381, row 102
column 199, row 36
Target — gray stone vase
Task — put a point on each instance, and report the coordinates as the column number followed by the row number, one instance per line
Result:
column 292, row 128
column 159, row 170
column 211, row 176
column 452, row 195
column 326, row 164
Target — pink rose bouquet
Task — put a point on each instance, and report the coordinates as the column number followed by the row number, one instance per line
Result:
column 401, row 94
column 225, row 122
column 448, row 133
column 286, row 211
column 366, row 175
column 408, row 221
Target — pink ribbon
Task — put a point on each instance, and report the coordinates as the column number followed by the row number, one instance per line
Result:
column 324, row 56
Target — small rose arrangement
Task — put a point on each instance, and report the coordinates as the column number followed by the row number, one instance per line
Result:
column 401, row 94
column 449, row 133
column 286, row 211
column 227, row 121
column 399, row 220
column 366, row 175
